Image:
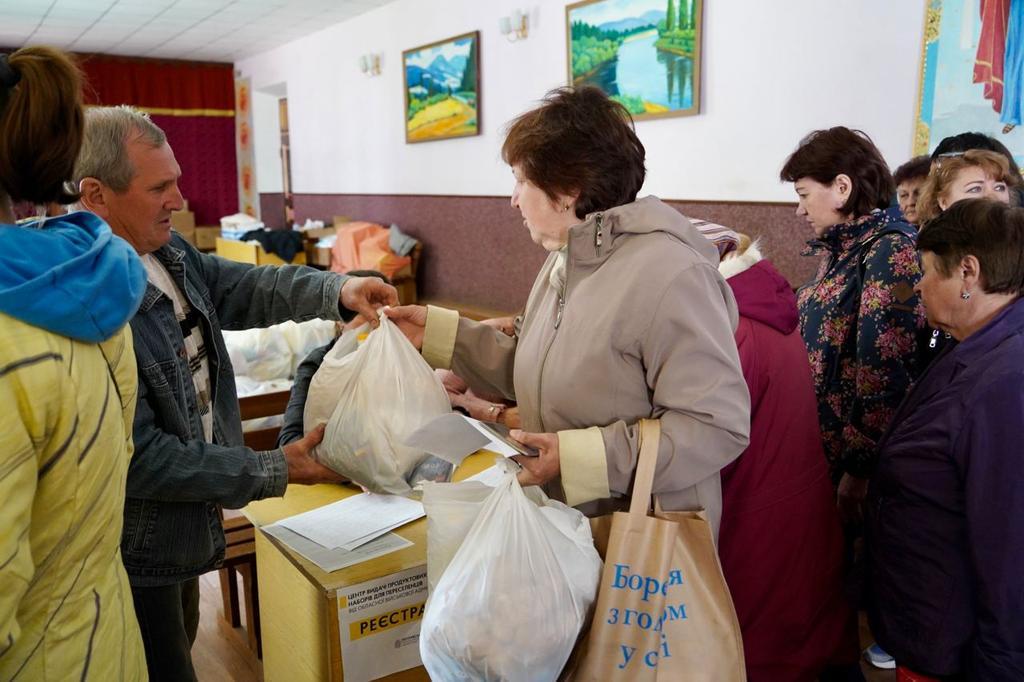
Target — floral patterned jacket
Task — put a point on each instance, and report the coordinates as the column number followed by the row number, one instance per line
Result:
column 859, row 318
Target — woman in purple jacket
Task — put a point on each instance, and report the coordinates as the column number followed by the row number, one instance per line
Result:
column 945, row 512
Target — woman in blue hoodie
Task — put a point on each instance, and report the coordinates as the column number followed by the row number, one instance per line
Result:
column 67, row 386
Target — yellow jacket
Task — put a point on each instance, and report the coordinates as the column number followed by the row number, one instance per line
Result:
column 66, row 411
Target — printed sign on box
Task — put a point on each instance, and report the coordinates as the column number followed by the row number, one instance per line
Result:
column 379, row 624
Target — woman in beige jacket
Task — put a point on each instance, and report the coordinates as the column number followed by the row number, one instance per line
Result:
column 628, row 319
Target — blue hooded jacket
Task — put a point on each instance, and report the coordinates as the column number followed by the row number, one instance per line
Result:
column 72, row 277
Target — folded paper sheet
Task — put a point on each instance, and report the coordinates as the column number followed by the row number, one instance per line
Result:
column 355, row 520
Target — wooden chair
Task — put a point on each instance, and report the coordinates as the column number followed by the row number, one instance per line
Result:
column 239, row 534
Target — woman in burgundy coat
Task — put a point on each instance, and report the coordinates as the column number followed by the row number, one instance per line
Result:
column 780, row 543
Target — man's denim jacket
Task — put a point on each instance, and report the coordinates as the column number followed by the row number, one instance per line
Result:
column 176, row 480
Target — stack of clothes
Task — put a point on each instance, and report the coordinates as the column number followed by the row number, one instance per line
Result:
column 369, row 246
column 238, row 225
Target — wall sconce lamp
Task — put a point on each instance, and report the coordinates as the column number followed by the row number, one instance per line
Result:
column 369, row 64
column 514, row 27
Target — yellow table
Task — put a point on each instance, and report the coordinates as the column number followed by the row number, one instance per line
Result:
column 298, row 603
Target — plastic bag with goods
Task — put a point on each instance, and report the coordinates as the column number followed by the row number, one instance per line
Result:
column 260, row 354
column 513, row 600
column 385, row 390
column 274, row 352
column 451, row 510
column 323, row 396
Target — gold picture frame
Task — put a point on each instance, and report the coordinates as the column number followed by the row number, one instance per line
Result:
column 441, row 82
column 648, row 56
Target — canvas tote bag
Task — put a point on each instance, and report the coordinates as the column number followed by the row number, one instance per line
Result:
column 663, row 610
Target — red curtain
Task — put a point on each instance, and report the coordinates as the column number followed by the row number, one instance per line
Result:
column 194, row 103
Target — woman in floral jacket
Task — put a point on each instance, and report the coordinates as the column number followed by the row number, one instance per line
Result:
column 859, row 315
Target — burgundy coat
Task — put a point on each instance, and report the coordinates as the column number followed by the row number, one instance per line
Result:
column 780, row 541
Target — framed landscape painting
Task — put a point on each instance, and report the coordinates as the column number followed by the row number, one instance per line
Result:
column 643, row 53
column 972, row 73
column 442, row 89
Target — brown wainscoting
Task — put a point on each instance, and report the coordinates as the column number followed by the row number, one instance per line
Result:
column 477, row 251
column 782, row 233
column 272, row 210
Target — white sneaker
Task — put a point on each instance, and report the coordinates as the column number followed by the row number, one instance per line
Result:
column 876, row 656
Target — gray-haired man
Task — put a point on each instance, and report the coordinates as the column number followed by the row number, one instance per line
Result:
column 189, row 457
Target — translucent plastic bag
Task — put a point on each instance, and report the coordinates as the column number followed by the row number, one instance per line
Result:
column 323, row 395
column 385, row 391
column 451, row 508
column 261, row 354
column 513, row 600
column 304, row 337
column 274, row 352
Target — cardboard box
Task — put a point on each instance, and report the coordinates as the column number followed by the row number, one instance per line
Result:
column 341, row 219
column 318, row 255
column 319, row 233
column 206, row 237
column 183, row 221
column 189, row 235
column 406, row 291
column 247, row 252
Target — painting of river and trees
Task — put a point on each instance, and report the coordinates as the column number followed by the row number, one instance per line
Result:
column 442, row 89
column 643, row 53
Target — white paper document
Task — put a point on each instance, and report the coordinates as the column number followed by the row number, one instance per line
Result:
column 453, row 436
column 336, row 559
column 491, row 477
column 354, row 521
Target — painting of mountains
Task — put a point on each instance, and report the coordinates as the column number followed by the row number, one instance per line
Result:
column 644, row 53
column 442, row 89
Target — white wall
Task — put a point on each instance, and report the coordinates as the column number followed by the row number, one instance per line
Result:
column 266, row 123
column 772, row 71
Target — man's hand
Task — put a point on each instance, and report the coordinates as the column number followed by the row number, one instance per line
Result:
column 851, row 495
column 364, row 295
column 537, row 470
column 304, row 469
column 411, row 320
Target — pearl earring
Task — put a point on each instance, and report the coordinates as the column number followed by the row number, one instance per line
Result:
column 966, row 295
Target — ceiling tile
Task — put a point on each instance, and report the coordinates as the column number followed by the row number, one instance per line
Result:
column 218, row 30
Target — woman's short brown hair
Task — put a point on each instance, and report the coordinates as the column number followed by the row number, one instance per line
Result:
column 990, row 231
column 917, row 167
column 946, row 168
column 41, row 125
column 825, row 154
column 578, row 140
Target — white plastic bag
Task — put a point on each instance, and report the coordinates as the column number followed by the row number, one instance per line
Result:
column 261, row 354
column 513, row 600
column 304, row 337
column 451, row 509
column 323, row 395
column 274, row 352
column 385, row 391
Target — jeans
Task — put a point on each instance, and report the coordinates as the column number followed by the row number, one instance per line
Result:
column 169, row 619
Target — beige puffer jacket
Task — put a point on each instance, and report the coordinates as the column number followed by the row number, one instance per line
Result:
column 642, row 327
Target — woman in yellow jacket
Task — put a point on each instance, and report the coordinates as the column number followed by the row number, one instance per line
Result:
column 67, row 391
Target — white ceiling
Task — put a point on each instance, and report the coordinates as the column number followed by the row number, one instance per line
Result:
column 202, row 30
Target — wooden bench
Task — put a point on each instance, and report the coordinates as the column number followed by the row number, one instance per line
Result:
column 239, row 534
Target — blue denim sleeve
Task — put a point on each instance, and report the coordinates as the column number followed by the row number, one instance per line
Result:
column 988, row 451
column 247, row 296
column 292, row 427
column 169, row 469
